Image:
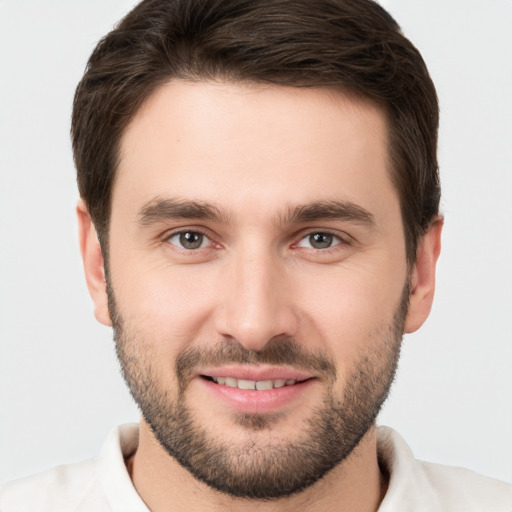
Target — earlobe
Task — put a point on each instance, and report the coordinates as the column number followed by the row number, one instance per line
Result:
column 423, row 277
column 94, row 265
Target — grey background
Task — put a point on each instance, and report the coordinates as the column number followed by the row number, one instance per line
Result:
column 60, row 389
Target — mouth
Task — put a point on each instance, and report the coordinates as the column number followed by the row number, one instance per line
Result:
column 256, row 390
column 246, row 384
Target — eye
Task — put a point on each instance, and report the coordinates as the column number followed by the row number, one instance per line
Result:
column 319, row 240
column 189, row 240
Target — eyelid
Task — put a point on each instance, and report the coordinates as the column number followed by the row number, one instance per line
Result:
column 165, row 238
column 344, row 238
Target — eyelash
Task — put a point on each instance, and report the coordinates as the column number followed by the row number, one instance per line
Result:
column 183, row 232
column 338, row 240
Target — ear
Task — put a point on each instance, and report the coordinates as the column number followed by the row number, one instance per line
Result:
column 94, row 266
column 423, row 277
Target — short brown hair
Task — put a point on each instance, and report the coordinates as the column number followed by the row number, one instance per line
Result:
column 352, row 45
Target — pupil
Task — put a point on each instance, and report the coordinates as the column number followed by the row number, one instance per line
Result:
column 321, row 240
column 191, row 240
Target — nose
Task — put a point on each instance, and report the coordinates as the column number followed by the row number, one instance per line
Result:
column 256, row 301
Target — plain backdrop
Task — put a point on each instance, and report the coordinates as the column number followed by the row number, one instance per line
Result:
column 60, row 387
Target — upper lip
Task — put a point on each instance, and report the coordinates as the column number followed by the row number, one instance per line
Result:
column 256, row 373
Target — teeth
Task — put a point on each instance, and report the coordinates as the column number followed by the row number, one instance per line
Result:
column 232, row 383
column 264, row 384
column 246, row 384
column 260, row 385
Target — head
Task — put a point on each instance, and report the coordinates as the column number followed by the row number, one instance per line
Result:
column 262, row 179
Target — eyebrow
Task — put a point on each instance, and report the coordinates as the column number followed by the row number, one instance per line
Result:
column 329, row 210
column 160, row 210
column 164, row 209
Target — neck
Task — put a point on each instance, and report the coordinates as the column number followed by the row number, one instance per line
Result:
column 355, row 484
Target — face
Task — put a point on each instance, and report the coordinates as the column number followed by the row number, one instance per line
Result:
column 258, row 283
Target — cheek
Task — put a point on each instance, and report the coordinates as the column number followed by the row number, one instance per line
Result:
column 350, row 312
column 169, row 304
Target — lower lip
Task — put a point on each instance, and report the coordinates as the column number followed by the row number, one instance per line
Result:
column 253, row 401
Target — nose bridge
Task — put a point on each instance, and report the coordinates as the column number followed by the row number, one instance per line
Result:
column 255, row 305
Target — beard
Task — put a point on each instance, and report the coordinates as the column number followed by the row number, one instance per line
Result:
column 257, row 469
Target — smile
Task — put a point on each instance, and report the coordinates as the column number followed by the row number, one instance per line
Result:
column 257, row 392
column 260, row 385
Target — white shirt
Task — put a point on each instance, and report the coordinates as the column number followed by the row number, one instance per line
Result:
column 104, row 485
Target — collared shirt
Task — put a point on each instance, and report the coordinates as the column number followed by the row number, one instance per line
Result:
column 104, row 485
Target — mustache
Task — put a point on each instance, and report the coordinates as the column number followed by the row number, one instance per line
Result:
column 279, row 352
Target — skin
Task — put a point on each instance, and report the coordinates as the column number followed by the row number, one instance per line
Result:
column 257, row 153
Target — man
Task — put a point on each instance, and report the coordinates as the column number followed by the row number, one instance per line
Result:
column 259, row 223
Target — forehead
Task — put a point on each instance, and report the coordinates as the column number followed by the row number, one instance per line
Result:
column 239, row 146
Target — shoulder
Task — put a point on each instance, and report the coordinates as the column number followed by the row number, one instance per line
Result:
column 423, row 486
column 467, row 488
column 100, row 484
column 59, row 488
